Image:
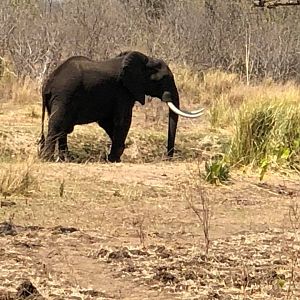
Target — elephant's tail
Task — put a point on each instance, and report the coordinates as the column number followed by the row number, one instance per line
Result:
column 41, row 142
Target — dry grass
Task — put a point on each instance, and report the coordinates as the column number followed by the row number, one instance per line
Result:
column 18, row 179
column 19, row 91
column 263, row 118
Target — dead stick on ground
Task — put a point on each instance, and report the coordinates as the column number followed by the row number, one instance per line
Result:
column 275, row 3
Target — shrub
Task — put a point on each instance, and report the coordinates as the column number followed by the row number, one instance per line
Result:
column 217, row 170
column 267, row 133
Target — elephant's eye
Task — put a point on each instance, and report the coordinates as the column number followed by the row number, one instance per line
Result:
column 152, row 71
column 158, row 66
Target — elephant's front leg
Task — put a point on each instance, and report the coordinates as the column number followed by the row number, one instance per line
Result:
column 120, row 131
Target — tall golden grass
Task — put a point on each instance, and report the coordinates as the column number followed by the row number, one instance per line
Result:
column 18, row 179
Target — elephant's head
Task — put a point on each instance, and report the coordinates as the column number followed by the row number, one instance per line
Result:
column 143, row 75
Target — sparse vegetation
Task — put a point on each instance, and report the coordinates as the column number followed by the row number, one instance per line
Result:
column 17, row 180
column 200, row 203
column 217, row 170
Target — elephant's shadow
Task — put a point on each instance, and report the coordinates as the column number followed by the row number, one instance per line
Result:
column 92, row 147
column 91, row 152
column 88, row 151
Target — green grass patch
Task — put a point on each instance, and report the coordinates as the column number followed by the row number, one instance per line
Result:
column 267, row 133
column 217, row 170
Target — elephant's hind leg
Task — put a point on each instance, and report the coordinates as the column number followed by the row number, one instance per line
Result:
column 58, row 128
column 63, row 152
column 49, row 148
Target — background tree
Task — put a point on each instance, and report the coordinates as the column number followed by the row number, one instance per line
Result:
column 35, row 35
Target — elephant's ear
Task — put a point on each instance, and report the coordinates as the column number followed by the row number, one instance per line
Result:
column 133, row 74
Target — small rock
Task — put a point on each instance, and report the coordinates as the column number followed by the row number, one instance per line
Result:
column 163, row 252
column 7, row 228
column 27, row 290
column 138, row 252
column 64, row 230
column 129, row 269
column 118, row 255
column 165, row 277
column 190, row 275
column 101, row 253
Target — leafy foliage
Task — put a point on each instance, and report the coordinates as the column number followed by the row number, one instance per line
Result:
column 217, row 170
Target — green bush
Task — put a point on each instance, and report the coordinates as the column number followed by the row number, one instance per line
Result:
column 217, row 170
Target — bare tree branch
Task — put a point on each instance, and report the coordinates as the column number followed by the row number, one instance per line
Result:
column 200, row 34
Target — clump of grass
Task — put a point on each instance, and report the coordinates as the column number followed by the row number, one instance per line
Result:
column 6, row 150
column 217, row 170
column 267, row 132
column 220, row 113
column 217, row 82
column 253, row 134
column 17, row 180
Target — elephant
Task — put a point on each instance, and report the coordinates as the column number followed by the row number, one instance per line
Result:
column 81, row 91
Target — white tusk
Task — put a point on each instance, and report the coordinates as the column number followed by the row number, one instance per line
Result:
column 186, row 114
column 197, row 111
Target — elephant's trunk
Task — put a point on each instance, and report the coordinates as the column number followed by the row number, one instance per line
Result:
column 172, row 99
column 173, row 120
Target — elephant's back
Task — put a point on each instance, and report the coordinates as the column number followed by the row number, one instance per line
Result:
column 66, row 77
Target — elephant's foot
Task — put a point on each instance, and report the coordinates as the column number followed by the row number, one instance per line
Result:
column 46, row 152
column 113, row 159
column 64, row 156
column 116, row 153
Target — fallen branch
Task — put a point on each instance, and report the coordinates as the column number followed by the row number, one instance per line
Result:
column 274, row 3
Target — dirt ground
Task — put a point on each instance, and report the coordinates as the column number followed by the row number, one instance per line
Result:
column 135, row 237
column 130, row 231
